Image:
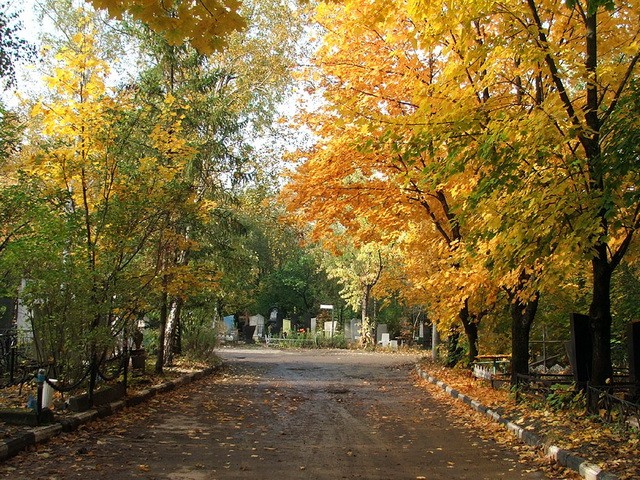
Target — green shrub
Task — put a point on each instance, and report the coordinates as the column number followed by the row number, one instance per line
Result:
column 150, row 339
column 564, row 397
column 199, row 341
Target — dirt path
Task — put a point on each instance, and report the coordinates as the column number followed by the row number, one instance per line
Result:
column 280, row 415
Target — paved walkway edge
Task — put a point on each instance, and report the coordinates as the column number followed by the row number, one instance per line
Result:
column 587, row 470
column 13, row 446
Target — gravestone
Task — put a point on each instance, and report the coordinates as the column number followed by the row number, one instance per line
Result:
column 275, row 323
column 286, row 327
column 230, row 331
column 258, row 322
column 352, row 330
column 581, row 349
column 384, row 340
column 330, row 328
column 382, row 328
column 7, row 314
column 247, row 333
column 634, row 357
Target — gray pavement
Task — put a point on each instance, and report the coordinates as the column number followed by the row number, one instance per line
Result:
column 313, row 414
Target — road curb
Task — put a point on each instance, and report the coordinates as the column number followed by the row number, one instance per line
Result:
column 12, row 446
column 586, row 469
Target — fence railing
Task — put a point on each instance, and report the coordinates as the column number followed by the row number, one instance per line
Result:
column 492, row 369
column 604, row 402
column 614, row 403
column 296, row 342
column 483, row 371
column 543, row 381
column 18, row 367
column 15, row 366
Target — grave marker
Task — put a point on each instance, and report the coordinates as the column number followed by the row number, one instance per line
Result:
column 581, row 349
column 634, row 356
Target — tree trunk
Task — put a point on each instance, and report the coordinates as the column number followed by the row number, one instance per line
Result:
column 471, row 330
column 522, row 316
column 590, row 138
column 366, row 338
column 600, row 319
column 171, row 328
column 163, row 325
column 434, row 341
column 93, row 375
column 454, row 351
column 470, row 324
column 177, row 344
column 600, row 308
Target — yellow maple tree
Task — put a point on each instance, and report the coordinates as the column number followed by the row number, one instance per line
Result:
column 108, row 168
column 205, row 24
column 506, row 110
column 370, row 162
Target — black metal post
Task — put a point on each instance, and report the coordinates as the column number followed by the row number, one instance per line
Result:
column 12, row 363
column 40, row 379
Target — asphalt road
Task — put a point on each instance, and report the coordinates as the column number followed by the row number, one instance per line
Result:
column 271, row 414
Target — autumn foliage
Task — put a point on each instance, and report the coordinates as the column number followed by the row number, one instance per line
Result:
column 205, row 24
column 486, row 138
column 126, row 179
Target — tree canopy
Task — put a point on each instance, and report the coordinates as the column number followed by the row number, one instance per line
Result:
column 491, row 134
column 475, row 160
column 204, row 24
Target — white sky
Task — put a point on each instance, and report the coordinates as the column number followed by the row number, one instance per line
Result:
column 28, row 76
column 30, row 85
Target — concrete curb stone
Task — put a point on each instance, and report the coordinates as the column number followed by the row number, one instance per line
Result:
column 587, row 470
column 11, row 447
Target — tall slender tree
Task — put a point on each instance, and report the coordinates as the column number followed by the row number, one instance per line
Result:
column 231, row 96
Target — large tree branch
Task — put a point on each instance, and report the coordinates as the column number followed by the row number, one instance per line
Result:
column 551, row 64
column 623, row 84
column 616, row 257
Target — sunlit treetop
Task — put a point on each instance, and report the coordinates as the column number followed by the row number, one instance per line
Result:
column 203, row 23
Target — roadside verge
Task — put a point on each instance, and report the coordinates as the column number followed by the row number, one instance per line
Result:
column 12, row 446
column 587, row 470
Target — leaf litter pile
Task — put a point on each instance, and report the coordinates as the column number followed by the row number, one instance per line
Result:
column 612, row 447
